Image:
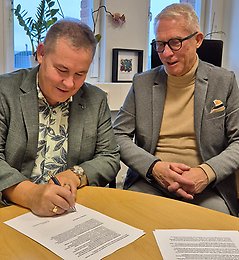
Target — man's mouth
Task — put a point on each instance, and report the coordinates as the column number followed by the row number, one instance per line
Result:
column 62, row 90
column 171, row 63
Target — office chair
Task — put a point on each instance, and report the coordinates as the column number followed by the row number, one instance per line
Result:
column 210, row 51
column 112, row 184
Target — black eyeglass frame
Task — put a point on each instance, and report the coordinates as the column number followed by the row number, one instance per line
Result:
column 154, row 43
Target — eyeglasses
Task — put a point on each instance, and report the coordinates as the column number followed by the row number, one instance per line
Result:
column 174, row 44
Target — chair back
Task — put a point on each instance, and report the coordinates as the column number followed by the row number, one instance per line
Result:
column 209, row 51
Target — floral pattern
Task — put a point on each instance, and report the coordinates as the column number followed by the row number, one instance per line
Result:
column 52, row 140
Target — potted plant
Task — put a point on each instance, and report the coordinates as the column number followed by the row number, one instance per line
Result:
column 36, row 27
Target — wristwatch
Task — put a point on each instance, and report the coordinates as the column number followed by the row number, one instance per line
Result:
column 80, row 173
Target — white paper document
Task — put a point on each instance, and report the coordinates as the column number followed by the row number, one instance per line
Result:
column 198, row 244
column 84, row 234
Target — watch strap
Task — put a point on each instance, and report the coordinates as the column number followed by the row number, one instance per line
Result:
column 80, row 173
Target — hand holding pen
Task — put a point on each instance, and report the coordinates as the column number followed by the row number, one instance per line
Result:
column 57, row 182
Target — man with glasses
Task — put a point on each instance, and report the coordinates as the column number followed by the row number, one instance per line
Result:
column 179, row 126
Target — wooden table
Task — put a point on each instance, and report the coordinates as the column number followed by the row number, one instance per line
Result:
column 143, row 211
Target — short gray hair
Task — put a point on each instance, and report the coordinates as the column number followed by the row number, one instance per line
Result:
column 76, row 32
column 180, row 10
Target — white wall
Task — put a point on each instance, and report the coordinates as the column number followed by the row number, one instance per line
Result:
column 133, row 34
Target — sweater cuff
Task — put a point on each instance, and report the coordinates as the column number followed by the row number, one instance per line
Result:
column 208, row 171
column 149, row 172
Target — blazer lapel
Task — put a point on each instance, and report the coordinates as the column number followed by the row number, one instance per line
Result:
column 201, row 85
column 29, row 106
column 158, row 99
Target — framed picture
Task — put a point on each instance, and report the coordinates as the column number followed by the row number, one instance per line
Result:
column 125, row 63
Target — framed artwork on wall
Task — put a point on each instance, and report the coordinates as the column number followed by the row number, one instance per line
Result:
column 125, row 63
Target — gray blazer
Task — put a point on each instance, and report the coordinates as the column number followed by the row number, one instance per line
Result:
column 91, row 142
column 217, row 134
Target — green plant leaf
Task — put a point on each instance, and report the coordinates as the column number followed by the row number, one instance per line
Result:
column 98, row 37
column 53, row 12
column 36, row 28
column 18, row 8
column 51, row 3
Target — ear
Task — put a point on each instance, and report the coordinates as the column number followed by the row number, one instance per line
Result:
column 40, row 52
column 199, row 39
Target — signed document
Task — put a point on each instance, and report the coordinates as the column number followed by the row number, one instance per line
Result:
column 197, row 244
column 84, row 234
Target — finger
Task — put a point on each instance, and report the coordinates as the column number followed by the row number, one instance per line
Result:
column 181, row 193
column 183, row 181
column 71, row 187
column 180, row 166
column 67, row 186
column 176, row 169
column 56, row 210
column 74, row 192
column 173, row 187
column 63, row 198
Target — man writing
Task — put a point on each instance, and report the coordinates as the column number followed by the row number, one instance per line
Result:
column 51, row 122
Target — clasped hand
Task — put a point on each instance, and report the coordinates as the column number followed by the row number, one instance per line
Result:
column 180, row 179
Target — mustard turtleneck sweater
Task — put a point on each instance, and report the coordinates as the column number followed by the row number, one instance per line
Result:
column 177, row 141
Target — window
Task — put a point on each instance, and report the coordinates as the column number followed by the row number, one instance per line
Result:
column 155, row 8
column 22, row 47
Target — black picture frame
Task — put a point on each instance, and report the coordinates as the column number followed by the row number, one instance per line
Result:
column 126, row 63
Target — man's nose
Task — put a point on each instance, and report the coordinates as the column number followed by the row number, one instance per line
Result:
column 68, row 81
column 167, row 51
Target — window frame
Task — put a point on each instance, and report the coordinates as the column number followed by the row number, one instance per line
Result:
column 6, row 39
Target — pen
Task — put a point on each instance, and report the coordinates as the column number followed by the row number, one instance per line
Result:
column 56, row 181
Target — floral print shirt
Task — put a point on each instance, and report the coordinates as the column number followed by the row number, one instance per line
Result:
column 52, row 139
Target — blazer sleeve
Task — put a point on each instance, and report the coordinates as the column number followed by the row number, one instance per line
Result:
column 133, row 126
column 99, row 153
column 13, row 136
